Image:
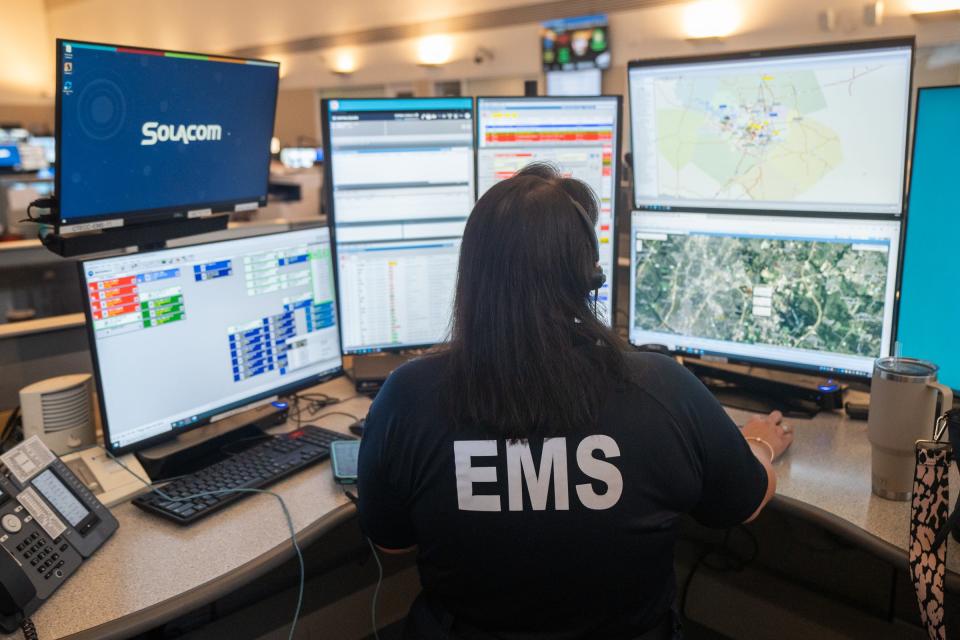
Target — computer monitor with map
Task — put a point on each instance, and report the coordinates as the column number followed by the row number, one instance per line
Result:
column 815, row 129
column 795, row 292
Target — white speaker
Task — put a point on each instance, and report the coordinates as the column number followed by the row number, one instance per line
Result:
column 60, row 412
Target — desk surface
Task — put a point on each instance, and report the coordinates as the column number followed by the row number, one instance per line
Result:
column 825, row 476
column 152, row 570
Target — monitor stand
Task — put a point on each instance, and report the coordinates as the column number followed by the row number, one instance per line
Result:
column 193, row 450
column 370, row 371
column 144, row 236
column 796, row 397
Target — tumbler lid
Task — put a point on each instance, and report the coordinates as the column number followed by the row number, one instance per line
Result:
column 905, row 369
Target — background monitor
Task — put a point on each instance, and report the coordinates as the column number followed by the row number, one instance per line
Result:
column 49, row 146
column 792, row 292
column 144, row 134
column 569, row 44
column 579, row 135
column 182, row 335
column 400, row 179
column 574, row 83
column 927, row 325
column 9, row 156
column 820, row 129
column 300, row 157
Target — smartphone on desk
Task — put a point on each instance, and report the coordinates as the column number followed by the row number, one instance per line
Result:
column 343, row 455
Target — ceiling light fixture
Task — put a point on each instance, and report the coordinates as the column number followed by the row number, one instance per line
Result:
column 711, row 19
column 935, row 8
column 344, row 63
column 434, row 51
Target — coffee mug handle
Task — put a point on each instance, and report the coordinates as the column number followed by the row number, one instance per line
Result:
column 946, row 395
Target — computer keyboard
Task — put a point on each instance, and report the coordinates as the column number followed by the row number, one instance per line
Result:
column 255, row 468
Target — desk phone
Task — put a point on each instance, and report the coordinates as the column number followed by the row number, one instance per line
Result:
column 49, row 524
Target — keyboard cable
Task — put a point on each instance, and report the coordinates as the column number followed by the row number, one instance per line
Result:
column 283, row 506
column 376, row 556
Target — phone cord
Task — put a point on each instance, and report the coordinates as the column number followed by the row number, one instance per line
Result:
column 29, row 630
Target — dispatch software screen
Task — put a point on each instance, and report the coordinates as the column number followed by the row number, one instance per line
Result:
column 577, row 135
column 185, row 334
column 403, row 187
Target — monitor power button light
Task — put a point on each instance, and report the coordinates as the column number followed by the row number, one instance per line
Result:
column 11, row 523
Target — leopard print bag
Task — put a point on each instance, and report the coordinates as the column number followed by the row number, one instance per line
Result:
column 930, row 524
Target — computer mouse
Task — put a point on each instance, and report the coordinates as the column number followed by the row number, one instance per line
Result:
column 357, row 428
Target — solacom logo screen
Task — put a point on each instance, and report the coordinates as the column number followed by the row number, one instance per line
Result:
column 145, row 132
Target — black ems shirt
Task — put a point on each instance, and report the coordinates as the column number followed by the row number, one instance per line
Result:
column 568, row 537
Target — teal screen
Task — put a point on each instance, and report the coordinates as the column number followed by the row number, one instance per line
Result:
column 929, row 320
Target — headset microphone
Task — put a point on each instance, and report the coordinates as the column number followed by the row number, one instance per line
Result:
column 598, row 277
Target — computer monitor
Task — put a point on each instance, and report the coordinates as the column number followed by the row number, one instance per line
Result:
column 299, row 157
column 400, row 182
column 49, row 146
column 181, row 336
column 9, row 156
column 791, row 292
column 927, row 322
column 581, row 136
column 816, row 129
column 586, row 82
column 146, row 135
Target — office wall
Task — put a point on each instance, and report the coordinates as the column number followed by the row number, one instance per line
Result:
column 384, row 64
column 298, row 117
column 222, row 25
column 35, row 117
column 26, row 54
column 226, row 25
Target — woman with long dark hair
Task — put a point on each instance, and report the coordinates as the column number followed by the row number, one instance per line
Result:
column 538, row 468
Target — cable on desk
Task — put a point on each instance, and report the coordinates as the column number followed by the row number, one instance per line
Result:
column 29, row 630
column 315, row 402
column 10, row 427
column 376, row 556
column 376, row 590
column 283, row 506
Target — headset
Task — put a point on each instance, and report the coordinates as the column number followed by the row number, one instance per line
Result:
column 598, row 277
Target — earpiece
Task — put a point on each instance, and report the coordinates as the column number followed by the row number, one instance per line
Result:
column 598, row 277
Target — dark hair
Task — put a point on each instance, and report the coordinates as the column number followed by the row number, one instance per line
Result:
column 527, row 355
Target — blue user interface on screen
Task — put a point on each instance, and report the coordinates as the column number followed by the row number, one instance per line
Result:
column 154, row 131
column 9, row 155
column 929, row 306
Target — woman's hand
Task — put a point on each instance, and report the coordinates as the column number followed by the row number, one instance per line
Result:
column 772, row 430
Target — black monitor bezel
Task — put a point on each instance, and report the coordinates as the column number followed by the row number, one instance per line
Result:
column 904, row 229
column 781, row 365
column 141, row 216
column 617, row 159
column 779, row 52
column 331, row 208
column 280, row 391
